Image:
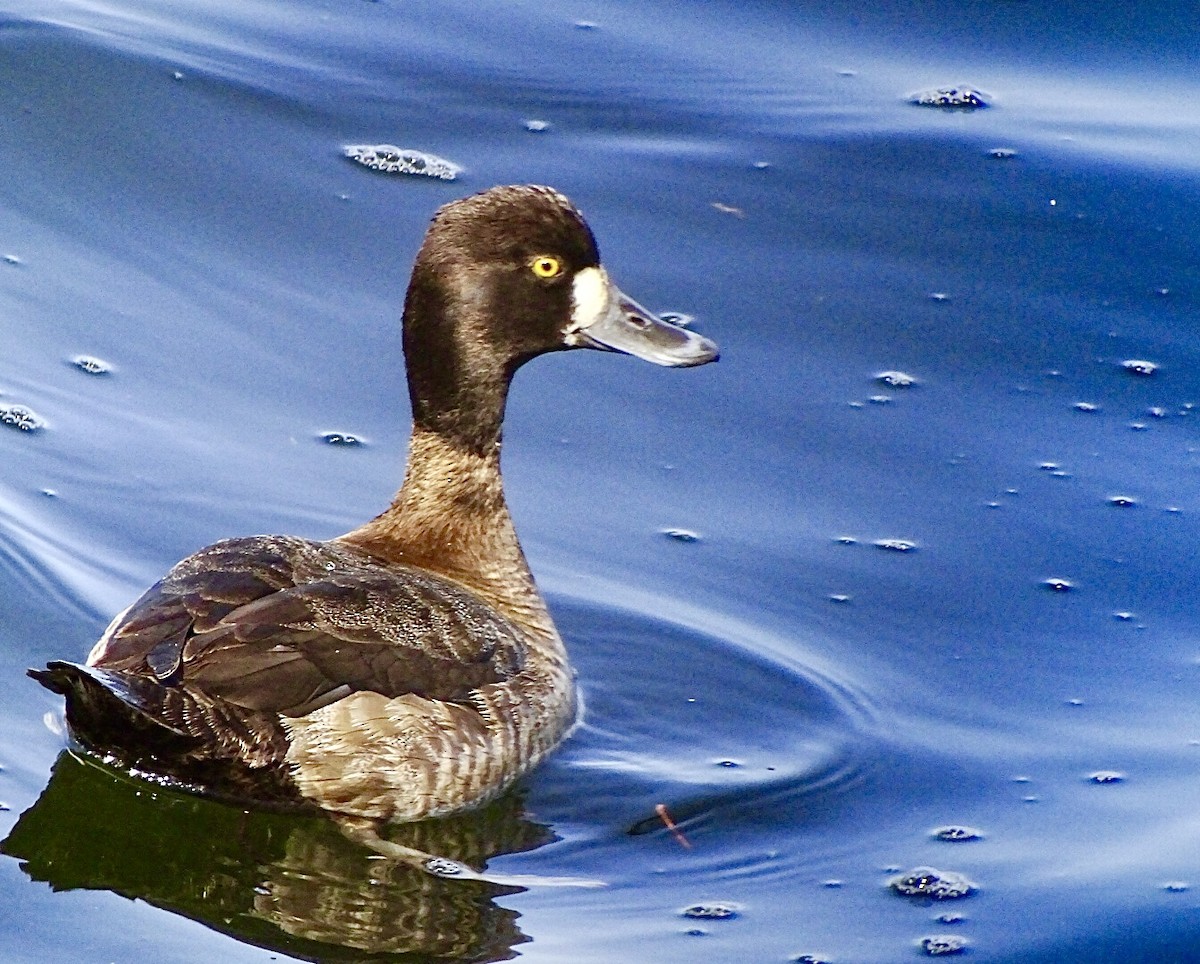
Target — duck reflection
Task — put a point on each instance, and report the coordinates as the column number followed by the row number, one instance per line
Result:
column 280, row 881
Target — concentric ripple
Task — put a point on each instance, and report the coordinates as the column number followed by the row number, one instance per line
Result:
column 714, row 726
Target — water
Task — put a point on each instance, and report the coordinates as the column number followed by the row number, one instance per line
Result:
column 808, row 710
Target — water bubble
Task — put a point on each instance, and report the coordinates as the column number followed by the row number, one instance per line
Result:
column 1002, row 153
column 939, row 296
column 20, row 417
column 1156, row 411
column 808, row 959
column 1085, row 407
column 950, row 98
column 729, row 764
column 831, row 884
column 1048, row 466
column 1138, row 426
column 1123, row 616
column 897, row 379
column 932, row 884
column 402, row 160
column 1122, row 501
column 537, row 126
column 4, row 806
column 846, row 541
column 955, row 833
column 943, row 945
column 1022, row 779
column 1138, row 366
column 714, row 911
column 1175, row 886
column 895, row 545
column 950, row 918
column 1074, row 701
column 1162, row 292
column 91, row 365
column 443, row 867
column 880, row 399
column 839, row 597
column 681, row 535
column 340, row 438
column 11, row 259
column 1057, row 584
column 761, row 165
column 1106, row 776
column 586, row 25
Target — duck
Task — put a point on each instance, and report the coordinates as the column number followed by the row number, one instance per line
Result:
column 409, row 668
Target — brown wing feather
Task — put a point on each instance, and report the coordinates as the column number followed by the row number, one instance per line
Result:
column 286, row 625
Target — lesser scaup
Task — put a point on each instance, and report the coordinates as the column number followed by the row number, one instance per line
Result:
column 408, row 668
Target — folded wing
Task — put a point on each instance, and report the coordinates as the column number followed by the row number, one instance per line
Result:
column 285, row 625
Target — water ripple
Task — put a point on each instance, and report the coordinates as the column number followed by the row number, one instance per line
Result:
column 53, row 565
column 719, row 720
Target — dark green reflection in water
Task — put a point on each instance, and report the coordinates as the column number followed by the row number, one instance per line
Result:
column 280, row 881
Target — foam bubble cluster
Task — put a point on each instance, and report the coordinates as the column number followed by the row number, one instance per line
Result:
column 720, row 911
column 932, row 884
column 943, row 945
column 1138, row 366
column 895, row 545
column 340, row 438
column 90, row 365
column 953, row 98
column 957, row 834
column 402, row 160
column 897, row 379
column 19, row 417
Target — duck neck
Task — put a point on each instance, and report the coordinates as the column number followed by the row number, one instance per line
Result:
column 450, row 517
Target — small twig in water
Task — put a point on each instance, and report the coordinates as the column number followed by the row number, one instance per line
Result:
column 661, row 810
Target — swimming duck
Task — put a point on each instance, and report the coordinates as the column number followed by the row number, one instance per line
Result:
column 408, row 668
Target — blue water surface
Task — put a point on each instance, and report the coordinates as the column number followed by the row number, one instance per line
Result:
column 966, row 602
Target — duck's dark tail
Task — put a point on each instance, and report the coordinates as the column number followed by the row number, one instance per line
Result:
column 207, row 744
column 114, row 711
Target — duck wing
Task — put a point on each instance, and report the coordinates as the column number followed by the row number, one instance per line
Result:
column 284, row 625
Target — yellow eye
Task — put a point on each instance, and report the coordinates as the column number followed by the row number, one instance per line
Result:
column 546, row 266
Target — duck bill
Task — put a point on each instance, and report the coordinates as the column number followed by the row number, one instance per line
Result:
column 605, row 318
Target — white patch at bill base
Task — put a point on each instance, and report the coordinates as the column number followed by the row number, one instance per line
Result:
column 590, row 298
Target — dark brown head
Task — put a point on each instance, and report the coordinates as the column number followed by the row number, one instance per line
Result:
column 502, row 277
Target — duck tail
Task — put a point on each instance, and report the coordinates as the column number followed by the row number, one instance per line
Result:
column 107, row 709
column 197, row 741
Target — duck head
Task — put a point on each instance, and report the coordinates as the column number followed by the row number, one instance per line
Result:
column 507, row 275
